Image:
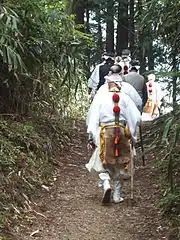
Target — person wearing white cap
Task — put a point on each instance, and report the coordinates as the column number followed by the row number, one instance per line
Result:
column 116, row 76
column 110, row 109
column 155, row 96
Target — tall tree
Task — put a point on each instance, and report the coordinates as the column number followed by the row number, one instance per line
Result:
column 78, row 9
column 122, row 26
column 141, row 38
column 99, row 32
column 131, row 29
column 110, row 27
column 150, row 54
column 150, row 38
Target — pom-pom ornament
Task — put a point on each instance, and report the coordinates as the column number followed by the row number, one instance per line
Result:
column 150, row 84
column 115, row 98
column 125, row 68
column 116, row 109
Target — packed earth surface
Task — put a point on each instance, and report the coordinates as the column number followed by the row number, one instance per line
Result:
column 69, row 206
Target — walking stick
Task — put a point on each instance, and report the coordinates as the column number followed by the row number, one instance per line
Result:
column 132, row 178
column 142, row 147
column 132, row 172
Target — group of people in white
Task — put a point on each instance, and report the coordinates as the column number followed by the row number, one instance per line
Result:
column 120, row 98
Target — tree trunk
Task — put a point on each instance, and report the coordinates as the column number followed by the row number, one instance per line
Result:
column 141, row 47
column 122, row 27
column 78, row 8
column 110, row 27
column 150, row 56
column 131, row 29
column 100, row 42
column 150, row 49
column 68, row 9
column 87, row 22
column 87, row 29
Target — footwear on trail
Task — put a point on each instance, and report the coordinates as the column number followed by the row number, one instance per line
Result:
column 100, row 184
column 107, row 191
column 116, row 193
column 107, row 196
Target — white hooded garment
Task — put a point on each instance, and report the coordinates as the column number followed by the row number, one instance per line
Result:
column 102, row 113
column 94, row 78
column 93, row 81
column 125, row 88
column 155, row 95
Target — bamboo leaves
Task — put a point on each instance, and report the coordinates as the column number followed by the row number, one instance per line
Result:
column 40, row 47
column 167, row 126
column 9, row 38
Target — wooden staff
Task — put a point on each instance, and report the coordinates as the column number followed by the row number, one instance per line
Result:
column 142, row 146
column 154, row 108
column 132, row 172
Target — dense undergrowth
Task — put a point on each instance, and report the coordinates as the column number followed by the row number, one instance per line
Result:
column 163, row 139
column 28, row 155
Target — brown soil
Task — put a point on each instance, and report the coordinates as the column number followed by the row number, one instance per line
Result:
column 72, row 208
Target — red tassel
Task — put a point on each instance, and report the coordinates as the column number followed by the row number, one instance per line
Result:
column 116, row 140
column 116, row 153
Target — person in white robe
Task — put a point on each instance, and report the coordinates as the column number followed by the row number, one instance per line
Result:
column 115, row 76
column 124, row 62
column 94, row 79
column 155, row 97
column 102, row 114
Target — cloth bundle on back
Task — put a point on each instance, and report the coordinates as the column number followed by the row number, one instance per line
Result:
column 111, row 125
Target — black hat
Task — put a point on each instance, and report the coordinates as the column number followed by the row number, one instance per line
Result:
column 107, row 55
column 133, row 68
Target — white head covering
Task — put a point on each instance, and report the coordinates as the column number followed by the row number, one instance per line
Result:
column 114, row 78
column 151, row 77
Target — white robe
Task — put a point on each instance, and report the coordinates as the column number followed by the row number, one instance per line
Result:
column 125, row 88
column 93, row 81
column 155, row 96
column 102, row 112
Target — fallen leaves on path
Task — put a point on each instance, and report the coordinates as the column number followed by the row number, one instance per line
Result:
column 71, row 208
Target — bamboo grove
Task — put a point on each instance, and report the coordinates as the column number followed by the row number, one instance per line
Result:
column 47, row 48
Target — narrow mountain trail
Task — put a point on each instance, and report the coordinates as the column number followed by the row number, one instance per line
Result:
column 72, row 208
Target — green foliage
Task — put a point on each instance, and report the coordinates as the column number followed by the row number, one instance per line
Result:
column 164, row 139
column 27, row 157
column 160, row 25
column 170, row 168
column 10, row 38
column 171, row 202
column 44, row 61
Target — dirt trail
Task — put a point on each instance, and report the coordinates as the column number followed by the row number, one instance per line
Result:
column 72, row 208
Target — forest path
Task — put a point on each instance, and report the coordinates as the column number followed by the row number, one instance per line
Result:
column 72, row 209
